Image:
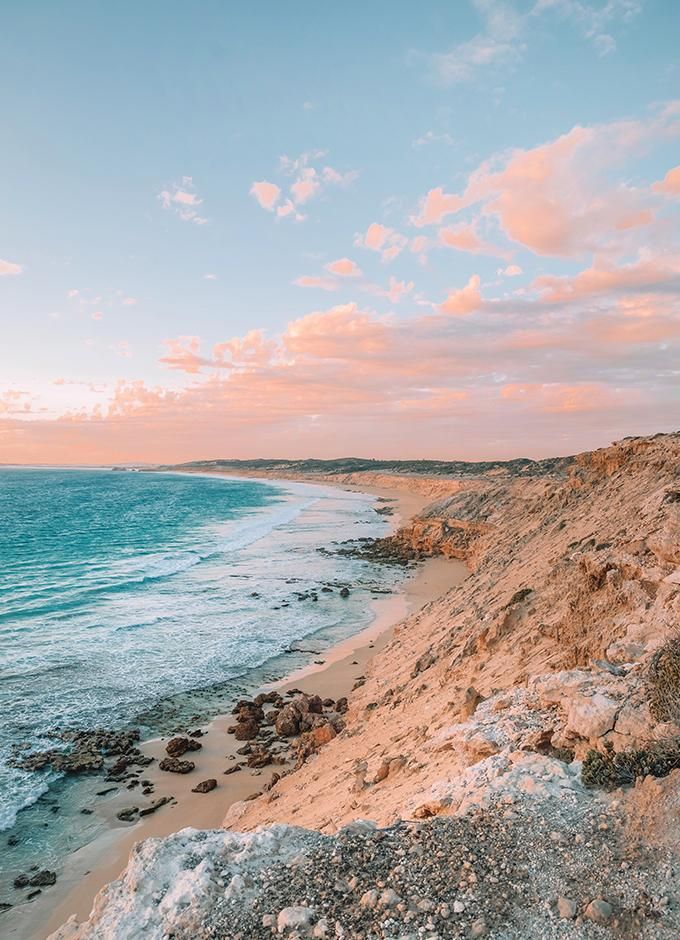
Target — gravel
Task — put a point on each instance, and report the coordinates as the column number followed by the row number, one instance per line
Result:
column 498, row 874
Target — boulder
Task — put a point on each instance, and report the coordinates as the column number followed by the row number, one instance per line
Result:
column 247, row 730
column 174, row 766
column 315, row 704
column 178, row 746
column 205, row 786
column 592, row 716
column 294, row 919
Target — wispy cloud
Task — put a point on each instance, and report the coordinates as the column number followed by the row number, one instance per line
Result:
column 310, row 176
column 430, row 137
column 9, row 268
column 182, row 199
column 505, row 34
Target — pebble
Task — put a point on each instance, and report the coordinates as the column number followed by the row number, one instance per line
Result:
column 566, row 908
column 599, row 911
column 294, row 918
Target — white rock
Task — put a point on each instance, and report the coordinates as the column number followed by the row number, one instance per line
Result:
column 592, row 716
column 294, row 918
column 169, row 884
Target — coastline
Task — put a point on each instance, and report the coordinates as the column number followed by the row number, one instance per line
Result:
column 101, row 860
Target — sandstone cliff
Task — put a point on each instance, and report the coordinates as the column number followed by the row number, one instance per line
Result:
column 489, row 698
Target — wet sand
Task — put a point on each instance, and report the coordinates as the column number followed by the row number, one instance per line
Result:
column 86, row 871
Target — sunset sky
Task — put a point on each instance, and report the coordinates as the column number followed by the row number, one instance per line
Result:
column 388, row 229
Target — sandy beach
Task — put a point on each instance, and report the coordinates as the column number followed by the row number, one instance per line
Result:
column 332, row 675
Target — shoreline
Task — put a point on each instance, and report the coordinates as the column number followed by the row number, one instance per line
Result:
column 333, row 675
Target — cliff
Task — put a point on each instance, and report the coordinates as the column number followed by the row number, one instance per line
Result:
column 495, row 723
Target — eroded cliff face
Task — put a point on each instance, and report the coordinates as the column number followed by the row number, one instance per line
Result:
column 574, row 584
column 479, row 712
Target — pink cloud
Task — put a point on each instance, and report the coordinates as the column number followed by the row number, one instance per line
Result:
column 183, row 354
column 266, row 193
column 346, row 380
column 554, row 398
column 344, row 267
column 436, row 206
column 253, row 349
column 308, row 181
column 306, row 186
column 670, row 184
column 463, row 301
column 323, row 283
column 605, row 278
column 388, row 242
column 512, row 270
column 183, row 200
column 9, row 267
column 336, row 178
column 464, row 237
column 394, row 292
column 557, row 198
column 343, row 332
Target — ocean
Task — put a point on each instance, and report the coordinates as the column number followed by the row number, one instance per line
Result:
column 155, row 599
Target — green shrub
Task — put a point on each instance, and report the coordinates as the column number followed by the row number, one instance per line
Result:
column 610, row 769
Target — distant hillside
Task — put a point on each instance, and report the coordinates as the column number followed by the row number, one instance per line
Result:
column 344, row 465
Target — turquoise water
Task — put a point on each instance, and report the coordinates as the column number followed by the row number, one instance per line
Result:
column 123, row 592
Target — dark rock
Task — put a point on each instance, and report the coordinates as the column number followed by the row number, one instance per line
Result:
column 43, row 878
column 247, row 730
column 33, row 894
column 341, row 705
column 250, row 712
column 13, row 840
column 86, row 812
column 344, row 592
column 22, row 881
column 4, row 906
column 205, row 786
column 233, row 770
column 260, row 757
column 148, row 810
column 175, row 766
column 127, row 814
column 178, row 746
column 271, row 698
column 315, row 704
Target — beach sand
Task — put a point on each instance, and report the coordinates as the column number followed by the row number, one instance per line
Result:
column 90, row 868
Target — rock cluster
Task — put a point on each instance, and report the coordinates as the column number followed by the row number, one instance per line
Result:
column 278, row 730
column 85, row 750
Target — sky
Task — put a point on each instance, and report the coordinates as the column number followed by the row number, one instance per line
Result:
column 438, row 230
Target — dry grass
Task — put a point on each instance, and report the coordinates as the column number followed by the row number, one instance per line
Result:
column 663, row 681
